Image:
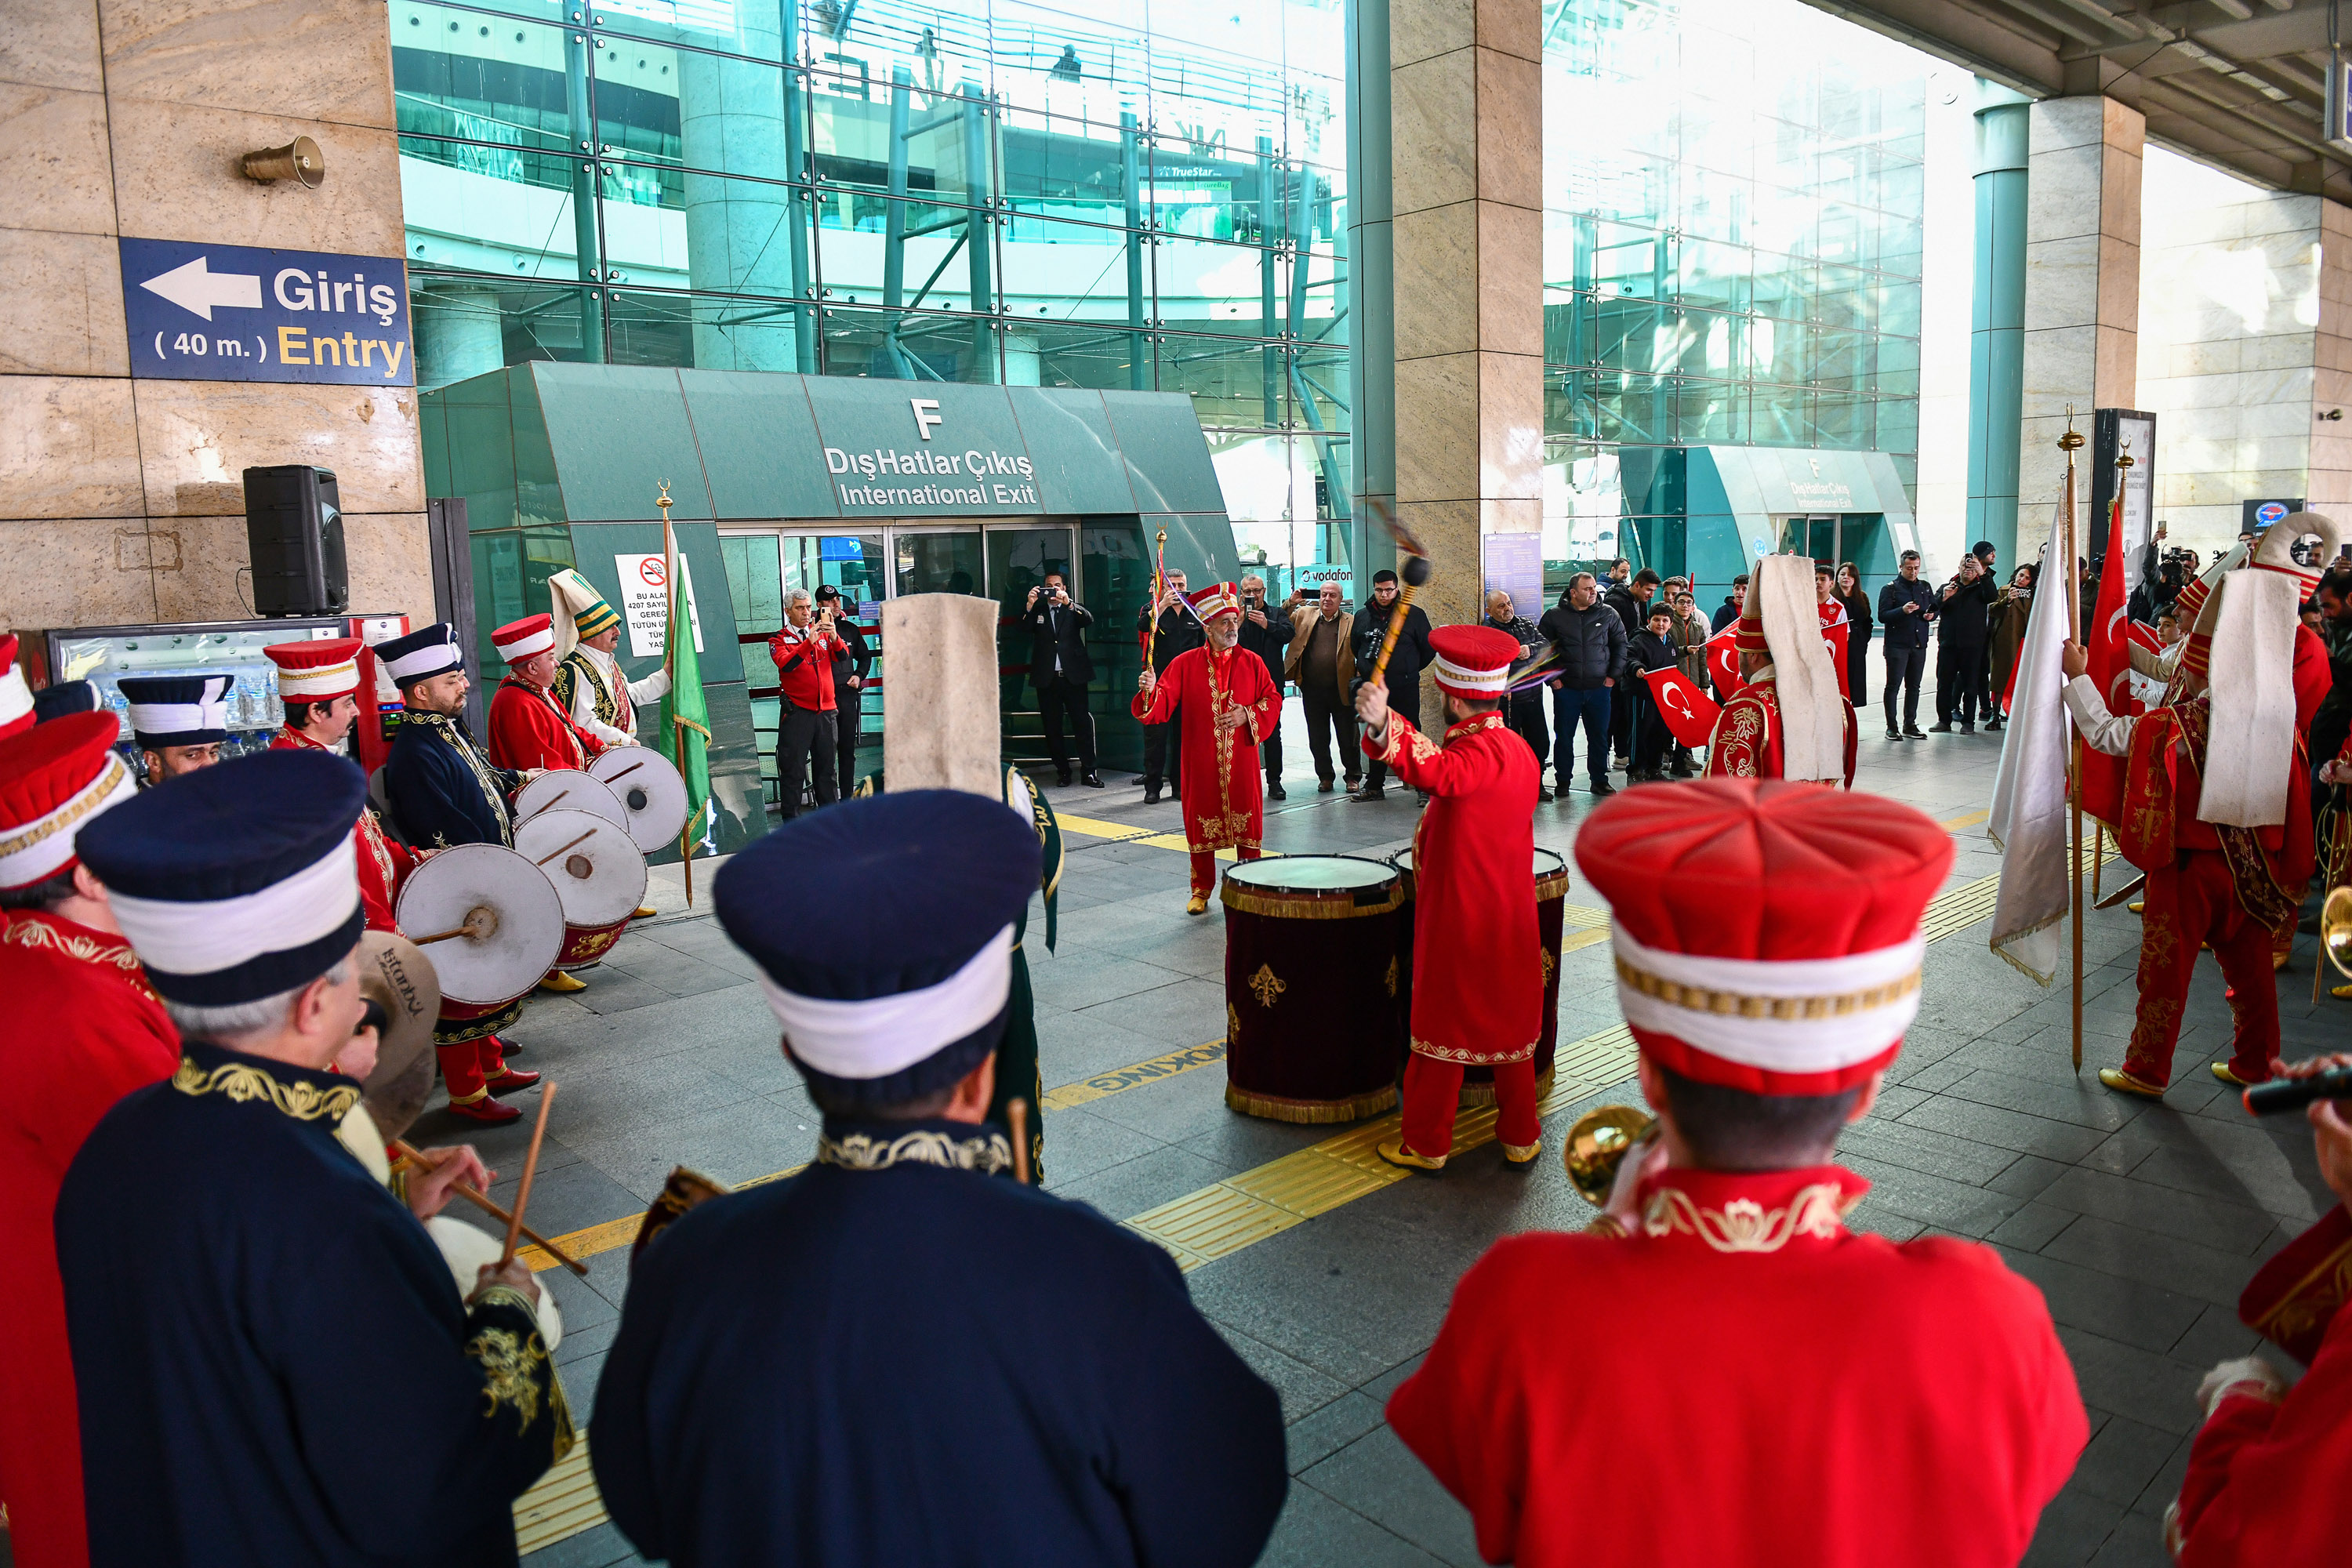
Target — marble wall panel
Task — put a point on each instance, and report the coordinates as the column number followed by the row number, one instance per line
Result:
column 55, row 163
column 61, row 305
column 1512, row 27
column 2119, row 195
column 1450, row 530
column 1431, row 110
column 1510, row 278
column 306, row 59
column 2118, row 282
column 201, row 569
column 1424, row 29
column 1438, row 418
column 76, row 572
column 391, row 560
column 183, row 182
column 1437, row 257
column 1510, row 130
column 1510, row 426
column 197, row 437
column 2058, row 363
column 2062, row 281
column 52, row 43
column 67, row 448
column 2061, row 193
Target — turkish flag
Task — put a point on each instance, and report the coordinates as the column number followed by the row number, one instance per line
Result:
column 2107, row 641
column 1723, row 662
column 1689, row 712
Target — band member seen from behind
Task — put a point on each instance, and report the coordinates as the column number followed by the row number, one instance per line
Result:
column 1178, row 631
column 851, row 664
column 253, row 1315
column 895, row 1356
column 1061, row 669
column 1859, row 1403
column 1266, row 632
column 1322, row 663
column 807, row 732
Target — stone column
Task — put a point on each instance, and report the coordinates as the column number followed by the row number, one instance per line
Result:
column 1466, row 104
column 1996, row 327
column 2082, row 293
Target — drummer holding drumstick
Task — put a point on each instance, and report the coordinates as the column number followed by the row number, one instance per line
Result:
column 1477, row 962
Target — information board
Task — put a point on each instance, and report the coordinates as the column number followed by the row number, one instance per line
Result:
column 235, row 312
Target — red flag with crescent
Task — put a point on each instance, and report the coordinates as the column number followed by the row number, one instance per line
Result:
column 2107, row 640
column 1689, row 712
column 1723, row 662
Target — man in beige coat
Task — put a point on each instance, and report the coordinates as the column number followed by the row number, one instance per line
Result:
column 1322, row 663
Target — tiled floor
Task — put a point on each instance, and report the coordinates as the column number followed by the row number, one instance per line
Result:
column 2139, row 1222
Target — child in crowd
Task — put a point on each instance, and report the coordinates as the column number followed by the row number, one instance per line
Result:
column 1652, row 648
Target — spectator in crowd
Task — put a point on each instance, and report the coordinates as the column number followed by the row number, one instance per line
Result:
column 2167, row 629
column 1265, row 632
column 1592, row 641
column 1523, row 710
column 1322, row 663
column 2012, row 608
column 1061, row 669
column 1180, row 629
column 850, row 663
column 2312, row 616
column 1651, row 647
column 1733, row 603
column 2142, row 604
column 1860, row 623
column 1959, row 644
column 1402, row 676
column 1985, row 554
column 1905, row 606
column 805, row 649
column 1620, row 571
column 1631, row 600
column 1690, row 632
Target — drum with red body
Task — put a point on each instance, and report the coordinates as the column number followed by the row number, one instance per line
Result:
column 599, row 875
column 1312, row 1028
column 1552, row 905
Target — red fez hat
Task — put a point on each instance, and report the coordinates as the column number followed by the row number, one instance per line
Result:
column 1767, row 933
column 316, row 671
column 1473, row 661
column 54, row 778
column 1217, row 599
column 518, row 641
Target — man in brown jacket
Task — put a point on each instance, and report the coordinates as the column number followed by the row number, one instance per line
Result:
column 1323, row 664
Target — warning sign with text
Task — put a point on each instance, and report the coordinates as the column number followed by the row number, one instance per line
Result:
column 644, row 601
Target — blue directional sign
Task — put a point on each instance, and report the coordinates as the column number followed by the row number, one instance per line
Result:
column 234, row 313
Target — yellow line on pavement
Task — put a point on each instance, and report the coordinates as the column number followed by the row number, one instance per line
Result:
column 1969, row 820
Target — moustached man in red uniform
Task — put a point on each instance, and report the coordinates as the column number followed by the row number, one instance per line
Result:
column 528, row 728
column 1750, row 1383
column 1478, row 964
column 1227, row 702
column 84, row 1030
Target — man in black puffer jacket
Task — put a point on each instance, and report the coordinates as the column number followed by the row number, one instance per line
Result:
column 1592, row 641
column 1961, row 627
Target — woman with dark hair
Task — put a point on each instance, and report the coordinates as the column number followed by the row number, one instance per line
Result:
column 2008, row 617
column 1860, row 620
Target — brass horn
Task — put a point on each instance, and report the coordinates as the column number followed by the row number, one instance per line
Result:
column 2336, row 929
column 1598, row 1143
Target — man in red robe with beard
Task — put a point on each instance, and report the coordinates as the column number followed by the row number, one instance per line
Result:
column 85, row 1029
column 1227, row 702
column 1478, row 964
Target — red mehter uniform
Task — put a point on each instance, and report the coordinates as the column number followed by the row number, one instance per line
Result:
column 1784, row 621
column 84, row 1030
column 1478, row 964
column 385, row 866
column 1747, row 740
column 804, row 657
column 1750, row 1382
column 1224, row 791
column 528, row 728
column 2270, row 1473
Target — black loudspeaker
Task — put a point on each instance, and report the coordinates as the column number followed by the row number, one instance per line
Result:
column 294, row 528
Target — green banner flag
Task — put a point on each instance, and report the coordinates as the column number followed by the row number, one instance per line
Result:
column 685, row 716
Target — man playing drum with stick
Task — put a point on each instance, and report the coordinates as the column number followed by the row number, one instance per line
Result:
column 270, row 1357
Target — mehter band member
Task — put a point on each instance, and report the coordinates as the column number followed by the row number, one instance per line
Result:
column 177, row 721
column 589, row 685
column 319, row 684
column 1478, row 964
column 16, row 714
column 274, row 1363
column 84, row 1030
column 528, row 728
column 2216, row 808
column 1752, row 1381
column 891, row 1358
column 1791, row 721
column 444, row 792
column 1225, row 704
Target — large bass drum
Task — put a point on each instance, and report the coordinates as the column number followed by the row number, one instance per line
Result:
column 489, row 921
column 598, row 873
column 1312, row 1029
column 403, row 997
column 1551, row 903
column 567, row 789
column 652, row 794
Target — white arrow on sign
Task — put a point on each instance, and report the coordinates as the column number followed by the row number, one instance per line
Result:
column 192, row 288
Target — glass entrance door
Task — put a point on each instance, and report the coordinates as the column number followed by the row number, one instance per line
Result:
column 1816, row 536
column 761, row 567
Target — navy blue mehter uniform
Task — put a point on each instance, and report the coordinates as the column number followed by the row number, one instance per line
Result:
column 272, row 1361
column 891, row 1358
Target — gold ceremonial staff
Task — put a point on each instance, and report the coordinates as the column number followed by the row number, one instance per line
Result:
column 2071, row 443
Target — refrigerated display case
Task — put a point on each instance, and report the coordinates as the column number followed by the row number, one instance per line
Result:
column 103, row 655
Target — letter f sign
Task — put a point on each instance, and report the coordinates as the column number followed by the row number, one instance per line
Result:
column 925, row 415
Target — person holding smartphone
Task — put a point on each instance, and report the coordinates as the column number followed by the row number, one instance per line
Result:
column 1061, row 670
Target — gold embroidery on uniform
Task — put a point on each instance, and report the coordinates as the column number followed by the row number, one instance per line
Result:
column 1473, row 1058
column 1743, row 1225
column 88, row 950
column 1267, row 985
column 1232, row 1025
column 863, row 1152
column 1548, row 965
column 302, row 1102
column 512, row 1365
column 439, row 722
column 1390, row 978
column 96, row 794
column 1738, row 1004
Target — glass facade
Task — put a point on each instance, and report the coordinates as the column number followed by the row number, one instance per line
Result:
column 1128, row 194
column 1733, row 197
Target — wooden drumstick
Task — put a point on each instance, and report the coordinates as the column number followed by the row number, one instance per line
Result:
column 530, row 1173
column 1416, row 572
column 408, row 1153
column 573, row 844
column 625, row 773
column 1016, row 1112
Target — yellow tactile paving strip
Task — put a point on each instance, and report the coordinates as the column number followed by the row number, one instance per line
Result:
column 562, row 1504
